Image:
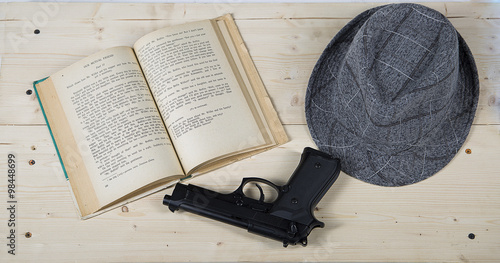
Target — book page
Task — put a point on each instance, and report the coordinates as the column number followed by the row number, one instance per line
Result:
column 197, row 92
column 115, row 123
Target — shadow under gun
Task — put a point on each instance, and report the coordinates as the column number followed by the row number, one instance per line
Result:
column 289, row 218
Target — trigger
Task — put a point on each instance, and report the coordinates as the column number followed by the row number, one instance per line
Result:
column 261, row 199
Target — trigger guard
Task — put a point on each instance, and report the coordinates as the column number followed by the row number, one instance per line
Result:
column 247, row 180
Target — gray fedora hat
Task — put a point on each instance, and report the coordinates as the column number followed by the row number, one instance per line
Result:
column 393, row 95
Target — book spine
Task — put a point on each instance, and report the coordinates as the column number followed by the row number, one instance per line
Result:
column 48, row 125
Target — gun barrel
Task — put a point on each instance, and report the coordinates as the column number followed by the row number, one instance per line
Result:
column 213, row 205
column 200, row 210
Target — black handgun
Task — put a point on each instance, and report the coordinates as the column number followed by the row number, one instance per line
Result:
column 290, row 218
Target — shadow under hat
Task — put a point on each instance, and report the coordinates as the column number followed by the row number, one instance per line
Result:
column 393, row 95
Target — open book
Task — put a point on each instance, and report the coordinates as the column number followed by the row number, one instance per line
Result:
column 184, row 100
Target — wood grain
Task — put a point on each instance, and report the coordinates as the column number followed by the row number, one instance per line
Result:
column 428, row 221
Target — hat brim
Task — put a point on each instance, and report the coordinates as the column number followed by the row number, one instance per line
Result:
column 390, row 166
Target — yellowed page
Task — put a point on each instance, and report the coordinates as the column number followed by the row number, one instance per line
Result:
column 197, row 92
column 252, row 81
column 115, row 122
column 75, row 169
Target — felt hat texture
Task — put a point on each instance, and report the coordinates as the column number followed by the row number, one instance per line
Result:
column 393, row 95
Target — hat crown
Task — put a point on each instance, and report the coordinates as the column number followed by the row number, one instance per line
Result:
column 403, row 66
column 393, row 95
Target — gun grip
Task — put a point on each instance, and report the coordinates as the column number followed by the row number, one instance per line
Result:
column 312, row 178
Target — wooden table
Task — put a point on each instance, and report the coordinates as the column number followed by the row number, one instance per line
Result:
column 453, row 216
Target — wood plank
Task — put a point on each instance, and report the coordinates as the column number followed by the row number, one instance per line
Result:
column 197, row 11
column 428, row 221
